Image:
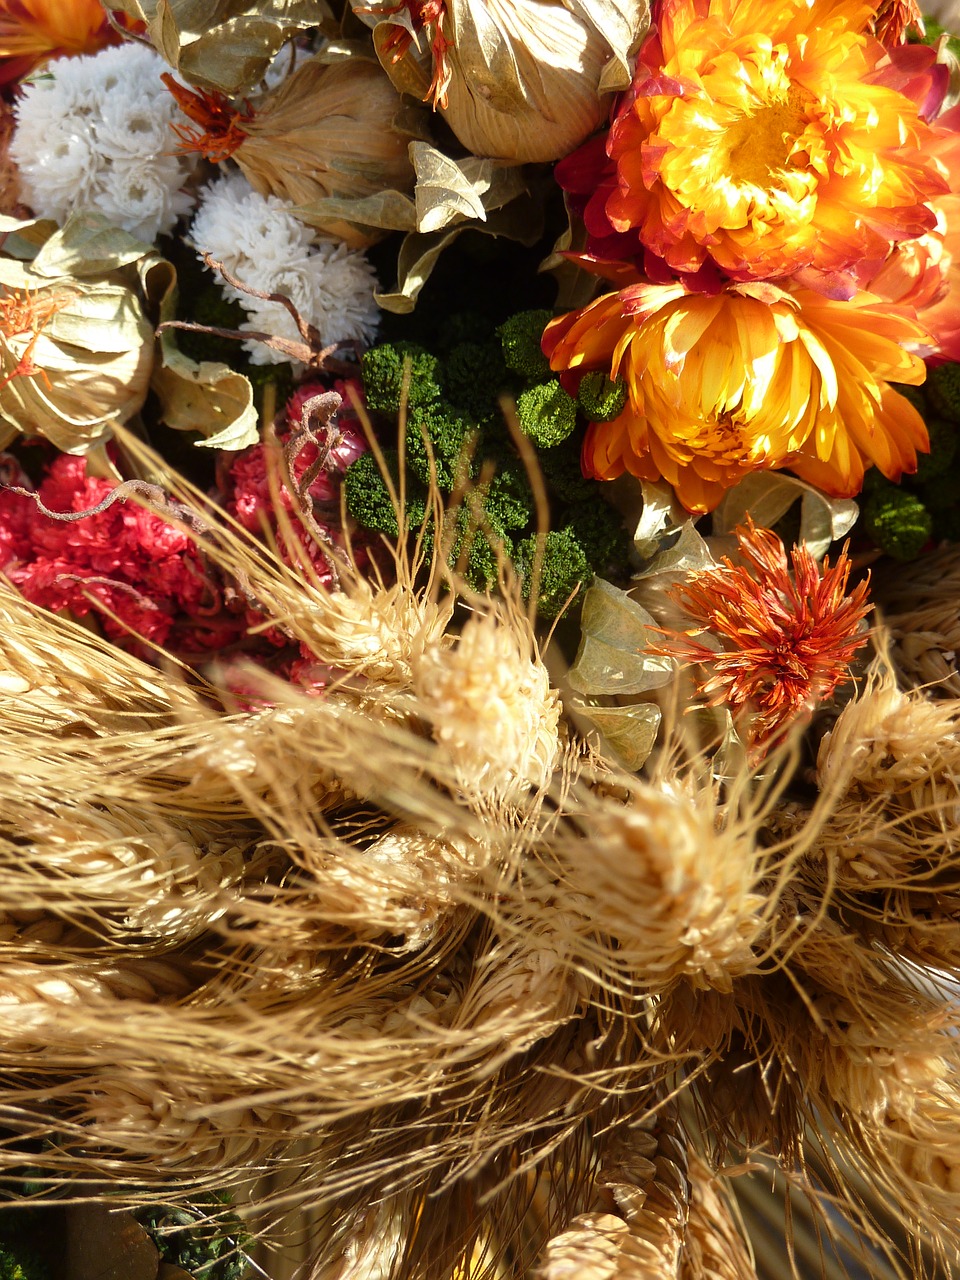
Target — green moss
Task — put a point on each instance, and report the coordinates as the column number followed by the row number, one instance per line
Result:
column 382, row 371
column 207, row 1245
column 943, row 449
column 449, row 433
column 473, row 377
column 600, row 531
column 520, row 337
column 368, row 498
column 546, row 413
column 943, row 391
column 601, row 398
column 564, row 567
column 897, row 521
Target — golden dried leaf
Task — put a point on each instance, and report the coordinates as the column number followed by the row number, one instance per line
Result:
column 75, row 349
column 611, row 659
column 223, row 44
column 767, row 497
column 207, row 397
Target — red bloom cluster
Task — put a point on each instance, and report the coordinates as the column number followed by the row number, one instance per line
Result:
column 142, row 576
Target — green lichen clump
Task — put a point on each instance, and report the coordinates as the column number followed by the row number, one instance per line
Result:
column 207, row 1245
column 19, row 1262
column 601, row 398
column 369, row 500
column 902, row 518
column 520, row 337
column 897, row 521
column 546, row 413
column 942, row 390
column 458, row 439
column 564, row 568
column 384, row 368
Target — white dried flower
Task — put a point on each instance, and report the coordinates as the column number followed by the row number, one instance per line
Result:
column 94, row 133
column 259, row 240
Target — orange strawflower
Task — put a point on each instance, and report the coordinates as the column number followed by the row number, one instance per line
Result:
column 33, row 31
column 767, row 137
column 779, row 636
column 752, row 378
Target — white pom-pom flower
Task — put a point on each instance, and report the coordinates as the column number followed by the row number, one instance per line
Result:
column 264, row 245
column 94, row 133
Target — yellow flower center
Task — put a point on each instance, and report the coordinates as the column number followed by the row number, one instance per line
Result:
column 758, row 146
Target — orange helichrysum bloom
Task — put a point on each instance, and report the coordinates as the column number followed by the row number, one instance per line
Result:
column 752, row 378
column 31, row 31
column 778, row 636
column 760, row 135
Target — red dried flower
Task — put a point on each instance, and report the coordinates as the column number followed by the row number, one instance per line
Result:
column 781, row 641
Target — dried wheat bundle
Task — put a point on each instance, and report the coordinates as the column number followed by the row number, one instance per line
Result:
column 920, row 606
column 411, row 947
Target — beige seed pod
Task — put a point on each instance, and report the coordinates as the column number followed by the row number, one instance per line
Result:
column 332, row 130
column 515, row 81
column 675, row 887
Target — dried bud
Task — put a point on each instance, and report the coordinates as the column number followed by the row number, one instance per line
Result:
column 515, row 81
column 328, row 132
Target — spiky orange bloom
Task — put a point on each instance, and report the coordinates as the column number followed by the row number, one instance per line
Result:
column 781, row 642
column 32, row 31
column 750, row 379
column 218, row 126
column 760, row 135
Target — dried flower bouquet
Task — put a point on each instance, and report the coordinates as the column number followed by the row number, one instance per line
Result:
column 479, row 577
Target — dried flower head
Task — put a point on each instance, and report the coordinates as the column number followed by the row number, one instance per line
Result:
column 781, row 635
column 751, row 378
column 491, row 705
column 516, row 81
column 217, row 128
column 764, row 138
column 95, row 134
column 328, row 132
column 260, row 241
column 33, row 31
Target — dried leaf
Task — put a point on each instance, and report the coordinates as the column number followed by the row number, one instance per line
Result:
column 223, row 44
column 88, row 245
column 661, row 514
column 22, row 238
column 81, row 364
column 207, row 397
column 687, row 553
column 768, row 496
column 630, row 732
column 622, row 24
column 611, row 658
column 449, row 191
column 520, row 220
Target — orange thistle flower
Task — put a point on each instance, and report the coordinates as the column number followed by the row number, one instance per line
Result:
column 33, row 31
column 21, row 313
column 221, row 129
column 765, row 136
column 780, row 642
column 749, row 379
